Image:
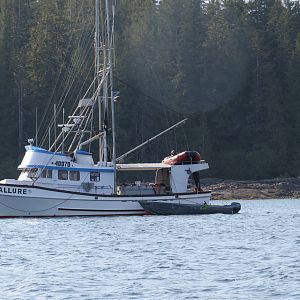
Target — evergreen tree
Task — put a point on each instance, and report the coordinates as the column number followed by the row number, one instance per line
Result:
column 232, row 66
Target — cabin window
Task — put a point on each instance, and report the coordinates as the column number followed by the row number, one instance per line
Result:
column 95, row 176
column 62, row 174
column 33, row 173
column 46, row 173
column 25, row 171
column 74, row 175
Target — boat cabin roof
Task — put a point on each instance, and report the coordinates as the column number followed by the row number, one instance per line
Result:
column 42, row 150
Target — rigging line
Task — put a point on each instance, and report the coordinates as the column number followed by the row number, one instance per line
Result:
column 13, row 208
column 82, row 86
column 77, row 136
column 70, row 73
column 89, row 116
column 186, row 139
column 62, row 100
column 51, row 124
column 81, row 114
column 154, row 79
column 175, row 140
column 114, row 7
column 86, row 93
column 82, row 131
column 60, row 106
column 60, row 134
column 158, row 85
column 53, row 153
column 85, row 125
column 87, row 174
column 58, row 77
column 63, row 201
column 79, row 58
column 80, row 61
column 147, row 96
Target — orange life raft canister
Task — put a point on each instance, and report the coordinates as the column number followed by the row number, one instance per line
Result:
column 182, row 158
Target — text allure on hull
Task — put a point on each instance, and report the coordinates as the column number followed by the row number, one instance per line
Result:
column 64, row 180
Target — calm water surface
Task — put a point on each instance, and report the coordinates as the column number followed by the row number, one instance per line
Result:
column 252, row 255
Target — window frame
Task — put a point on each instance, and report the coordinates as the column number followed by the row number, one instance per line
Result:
column 33, row 173
column 77, row 176
column 95, row 176
column 59, row 174
column 46, row 173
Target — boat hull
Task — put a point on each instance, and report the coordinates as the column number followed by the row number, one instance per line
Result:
column 28, row 201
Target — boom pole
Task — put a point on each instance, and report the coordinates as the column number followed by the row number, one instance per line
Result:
column 152, row 139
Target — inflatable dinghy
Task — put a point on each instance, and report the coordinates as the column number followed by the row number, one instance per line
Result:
column 167, row 208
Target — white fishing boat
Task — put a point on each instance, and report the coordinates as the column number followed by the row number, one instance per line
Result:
column 64, row 180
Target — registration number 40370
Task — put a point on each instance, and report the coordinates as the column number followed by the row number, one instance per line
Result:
column 62, row 163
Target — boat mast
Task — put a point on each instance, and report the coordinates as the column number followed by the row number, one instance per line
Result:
column 112, row 101
column 104, row 44
column 97, row 72
column 109, row 43
column 102, row 92
column 105, row 74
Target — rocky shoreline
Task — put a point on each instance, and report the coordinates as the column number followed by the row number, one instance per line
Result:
column 252, row 189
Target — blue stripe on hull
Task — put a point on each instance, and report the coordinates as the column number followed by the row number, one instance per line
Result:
column 107, row 170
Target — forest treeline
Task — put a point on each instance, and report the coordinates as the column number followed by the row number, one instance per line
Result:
column 232, row 67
